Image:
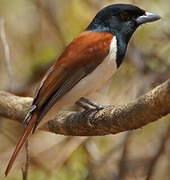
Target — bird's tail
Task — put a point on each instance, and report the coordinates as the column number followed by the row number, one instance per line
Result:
column 21, row 141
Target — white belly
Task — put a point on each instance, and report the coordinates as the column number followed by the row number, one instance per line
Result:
column 91, row 83
column 94, row 80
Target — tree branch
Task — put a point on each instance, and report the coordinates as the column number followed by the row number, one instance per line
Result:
column 146, row 109
column 6, row 52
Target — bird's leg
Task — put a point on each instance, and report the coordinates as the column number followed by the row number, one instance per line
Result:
column 90, row 108
column 91, row 103
column 90, row 111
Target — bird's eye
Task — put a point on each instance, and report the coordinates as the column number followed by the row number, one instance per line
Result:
column 125, row 16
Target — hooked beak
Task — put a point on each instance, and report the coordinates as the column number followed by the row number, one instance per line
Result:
column 148, row 17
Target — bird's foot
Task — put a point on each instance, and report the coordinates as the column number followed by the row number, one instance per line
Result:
column 90, row 108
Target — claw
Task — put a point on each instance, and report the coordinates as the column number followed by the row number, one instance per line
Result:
column 90, row 108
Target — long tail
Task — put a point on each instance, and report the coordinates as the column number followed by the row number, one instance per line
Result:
column 21, row 141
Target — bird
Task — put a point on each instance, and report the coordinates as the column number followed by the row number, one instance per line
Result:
column 84, row 65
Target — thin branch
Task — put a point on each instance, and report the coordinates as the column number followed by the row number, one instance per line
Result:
column 146, row 109
column 124, row 157
column 158, row 154
column 6, row 52
column 27, row 162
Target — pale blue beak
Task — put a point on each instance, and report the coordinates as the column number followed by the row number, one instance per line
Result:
column 147, row 17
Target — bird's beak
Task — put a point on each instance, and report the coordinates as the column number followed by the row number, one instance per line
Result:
column 148, row 17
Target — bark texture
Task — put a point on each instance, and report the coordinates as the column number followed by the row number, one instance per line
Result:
column 145, row 109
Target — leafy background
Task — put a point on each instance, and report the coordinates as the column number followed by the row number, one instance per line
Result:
column 36, row 32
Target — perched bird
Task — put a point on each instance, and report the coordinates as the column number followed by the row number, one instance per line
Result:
column 85, row 64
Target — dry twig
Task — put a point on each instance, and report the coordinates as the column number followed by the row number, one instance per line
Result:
column 6, row 52
column 26, row 168
column 158, row 154
column 124, row 157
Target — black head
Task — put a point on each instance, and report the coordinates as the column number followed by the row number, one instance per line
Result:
column 121, row 20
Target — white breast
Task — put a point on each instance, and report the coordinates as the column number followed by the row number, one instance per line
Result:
column 94, row 80
column 90, row 83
